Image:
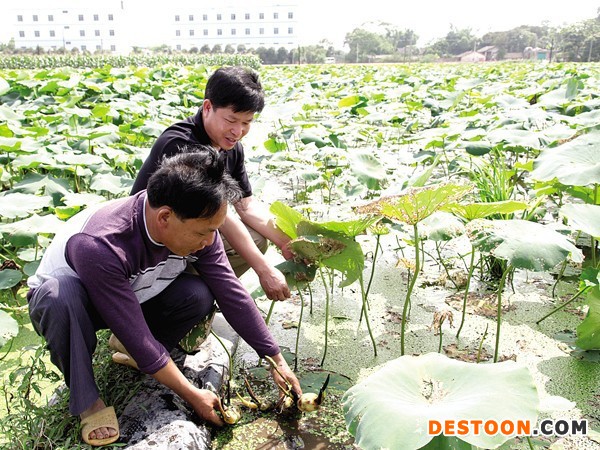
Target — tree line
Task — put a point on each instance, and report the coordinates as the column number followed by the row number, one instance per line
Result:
column 384, row 42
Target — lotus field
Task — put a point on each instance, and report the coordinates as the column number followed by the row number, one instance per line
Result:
column 445, row 221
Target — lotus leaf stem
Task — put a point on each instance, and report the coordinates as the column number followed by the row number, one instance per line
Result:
column 568, row 302
column 481, row 343
column 326, row 313
column 298, row 330
column 499, row 312
column 364, row 311
column 466, row 296
column 411, row 285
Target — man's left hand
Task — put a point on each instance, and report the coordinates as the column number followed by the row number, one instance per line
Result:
column 273, row 283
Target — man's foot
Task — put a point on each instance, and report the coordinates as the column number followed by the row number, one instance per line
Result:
column 121, row 355
column 107, row 429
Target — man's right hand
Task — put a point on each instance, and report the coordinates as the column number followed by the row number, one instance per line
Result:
column 205, row 403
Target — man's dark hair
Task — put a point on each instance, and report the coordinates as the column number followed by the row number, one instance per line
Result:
column 236, row 87
column 193, row 183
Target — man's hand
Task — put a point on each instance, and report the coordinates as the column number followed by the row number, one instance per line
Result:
column 273, row 283
column 205, row 403
column 284, row 373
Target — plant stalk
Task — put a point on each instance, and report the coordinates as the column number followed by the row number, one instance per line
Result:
column 411, row 285
column 568, row 302
column 466, row 296
column 326, row 313
column 499, row 313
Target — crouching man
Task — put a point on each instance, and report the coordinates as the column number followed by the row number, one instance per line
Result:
column 121, row 266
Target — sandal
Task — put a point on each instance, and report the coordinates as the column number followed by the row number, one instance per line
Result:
column 121, row 355
column 104, row 418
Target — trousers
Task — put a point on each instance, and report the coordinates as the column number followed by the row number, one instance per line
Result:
column 62, row 313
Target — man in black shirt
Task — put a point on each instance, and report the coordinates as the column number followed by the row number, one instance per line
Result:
column 232, row 98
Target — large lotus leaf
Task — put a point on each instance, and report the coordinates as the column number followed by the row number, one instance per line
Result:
column 367, row 169
column 334, row 250
column 416, row 203
column 111, row 183
column 297, row 274
column 575, row 163
column 8, row 328
column 10, row 278
column 524, row 244
column 49, row 185
column 392, row 408
column 441, row 226
column 350, row 228
column 584, row 218
column 17, row 204
column 316, row 248
column 286, row 218
column 588, row 331
column 472, row 211
column 517, row 139
column 27, row 230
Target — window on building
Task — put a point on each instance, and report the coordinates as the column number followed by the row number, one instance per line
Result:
column 96, row 17
column 247, row 16
column 290, row 15
column 177, row 18
column 261, row 16
column 247, row 31
column 52, row 33
column 191, row 18
column 82, row 33
column 261, row 31
column 191, row 32
column 111, row 17
column 97, row 32
column 68, row 43
column 290, row 30
column 275, row 15
column 50, row 18
column 83, row 48
column 21, row 34
column 205, row 32
column 218, row 16
column 36, row 33
column 81, row 17
column 113, row 48
column 35, row 18
column 98, row 47
column 205, row 17
column 219, row 32
column 275, row 30
column 19, row 18
column 233, row 31
column 178, row 47
column 232, row 16
column 177, row 32
column 111, row 32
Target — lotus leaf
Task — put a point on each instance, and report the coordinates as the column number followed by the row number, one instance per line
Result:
column 472, row 211
column 584, row 218
column 588, row 331
column 525, row 245
column 9, row 278
column 575, row 163
column 392, row 408
column 8, row 328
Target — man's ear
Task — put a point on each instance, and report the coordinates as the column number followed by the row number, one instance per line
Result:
column 164, row 216
column 206, row 105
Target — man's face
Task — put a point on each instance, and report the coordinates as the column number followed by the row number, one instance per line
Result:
column 225, row 127
column 184, row 237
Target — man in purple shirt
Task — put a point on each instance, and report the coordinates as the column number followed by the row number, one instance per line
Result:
column 232, row 98
column 121, row 266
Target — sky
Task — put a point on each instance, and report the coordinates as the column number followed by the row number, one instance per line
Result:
column 333, row 19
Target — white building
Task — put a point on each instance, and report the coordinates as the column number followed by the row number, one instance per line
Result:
column 69, row 24
column 118, row 25
column 266, row 25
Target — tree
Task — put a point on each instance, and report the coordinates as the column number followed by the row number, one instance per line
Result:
column 460, row 41
column 205, row 49
column 241, row 48
column 217, row 49
column 365, row 43
column 282, row 55
column 229, row 49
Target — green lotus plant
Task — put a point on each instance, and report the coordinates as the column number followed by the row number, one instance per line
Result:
column 322, row 245
column 523, row 245
column 472, row 211
column 411, row 208
column 393, row 407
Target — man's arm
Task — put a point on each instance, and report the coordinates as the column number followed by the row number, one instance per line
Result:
column 253, row 213
column 272, row 280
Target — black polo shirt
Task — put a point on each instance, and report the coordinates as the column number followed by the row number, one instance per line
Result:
column 189, row 132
